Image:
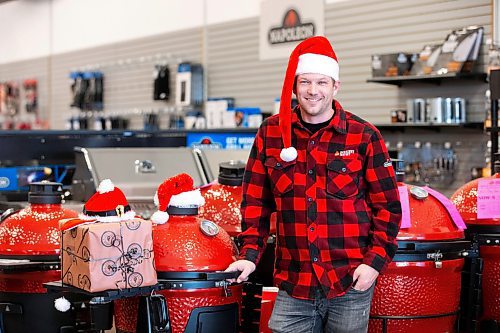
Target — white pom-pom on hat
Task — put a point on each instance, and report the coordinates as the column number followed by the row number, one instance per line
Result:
column 160, row 217
column 288, row 154
column 106, row 186
column 62, row 304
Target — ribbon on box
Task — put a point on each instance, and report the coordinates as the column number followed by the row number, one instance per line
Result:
column 68, row 224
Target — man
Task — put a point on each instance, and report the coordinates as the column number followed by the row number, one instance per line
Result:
column 327, row 174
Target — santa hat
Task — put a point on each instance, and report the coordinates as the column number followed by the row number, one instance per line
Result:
column 108, row 204
column 313, row 55
column 177, row 191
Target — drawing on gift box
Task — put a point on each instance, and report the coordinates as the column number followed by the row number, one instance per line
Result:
column 135, row 279
column 69, row 278
column 109, row 268
column 133, row 224
column 134, row 251
column 69, row 251
column 134, row 256
column 85, row 254
column 84, row 282
column 74, row 233
column 109, row 239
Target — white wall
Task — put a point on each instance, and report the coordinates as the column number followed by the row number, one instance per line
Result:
column 36, row 28
column 25, row 27
column 119, row 20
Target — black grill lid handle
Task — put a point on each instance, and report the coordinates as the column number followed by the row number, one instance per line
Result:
column 45, row 192
column 231, row 173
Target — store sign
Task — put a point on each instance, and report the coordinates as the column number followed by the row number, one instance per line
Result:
column 292, row 30
column 284, row 23
column 8, row 179
column 220, row 140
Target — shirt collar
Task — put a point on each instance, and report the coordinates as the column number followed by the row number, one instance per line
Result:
column 338, row 121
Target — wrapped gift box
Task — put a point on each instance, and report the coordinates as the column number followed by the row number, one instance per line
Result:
column 112, row 255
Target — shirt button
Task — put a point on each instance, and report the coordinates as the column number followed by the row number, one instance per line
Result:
column 344, row 169
column 315, row 259
column 311, row 228
column 312, row 142
column 278, row 164
column 311, row 172
column 309, row 199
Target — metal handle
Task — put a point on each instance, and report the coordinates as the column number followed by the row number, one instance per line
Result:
column 7, row 213
column 158, row 314
column 144, row 166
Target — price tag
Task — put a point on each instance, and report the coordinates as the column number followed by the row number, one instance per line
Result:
column 405, row 207
column 488, row 198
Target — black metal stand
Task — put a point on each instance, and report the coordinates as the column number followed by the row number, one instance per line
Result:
column 385, row 319
column 23, row 266
column 471, row 296
column 155, row 318
column 471, row 300
column 107, row 295
column 495, row 97
column 251, row 303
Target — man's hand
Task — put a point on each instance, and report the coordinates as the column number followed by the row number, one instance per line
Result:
column 364, row 276
column 246, row 267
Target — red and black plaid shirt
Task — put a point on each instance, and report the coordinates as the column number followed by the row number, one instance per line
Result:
column 337, row 204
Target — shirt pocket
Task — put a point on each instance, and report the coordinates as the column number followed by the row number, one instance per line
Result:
column 343, row 177
column 280, row 174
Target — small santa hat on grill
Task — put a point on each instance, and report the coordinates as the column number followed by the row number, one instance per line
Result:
column 313, row 55
column 177, row 191
column 108, row 204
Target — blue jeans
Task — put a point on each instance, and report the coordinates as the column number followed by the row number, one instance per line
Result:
column 345, row 314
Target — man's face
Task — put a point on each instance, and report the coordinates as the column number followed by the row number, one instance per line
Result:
column 315, row 95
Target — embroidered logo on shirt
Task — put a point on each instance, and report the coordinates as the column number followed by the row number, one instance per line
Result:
column 387, row 163
column 344, row 153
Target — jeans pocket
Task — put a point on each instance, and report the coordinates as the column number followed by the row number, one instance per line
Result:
column 361, row 292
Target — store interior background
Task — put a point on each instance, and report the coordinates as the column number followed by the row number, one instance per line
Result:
column 47, row 39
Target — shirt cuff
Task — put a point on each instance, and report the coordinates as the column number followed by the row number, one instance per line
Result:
column 375, row 261
column 250, row 254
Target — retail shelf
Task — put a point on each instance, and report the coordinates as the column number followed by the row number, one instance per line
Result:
column 430, row 78
column 492, row 130
column 107, row 295
column 428, row 126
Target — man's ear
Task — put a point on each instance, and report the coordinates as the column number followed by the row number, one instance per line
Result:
column 336, row 87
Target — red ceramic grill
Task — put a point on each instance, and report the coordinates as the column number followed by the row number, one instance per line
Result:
column 190, row 255
column 29, row 247
column 481, row 288
column 420, row 290
column 222, row 206
column 223, row 198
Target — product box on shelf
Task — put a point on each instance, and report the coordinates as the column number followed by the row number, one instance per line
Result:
column 459, row 51
column 426, row 59
column 394, row 64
